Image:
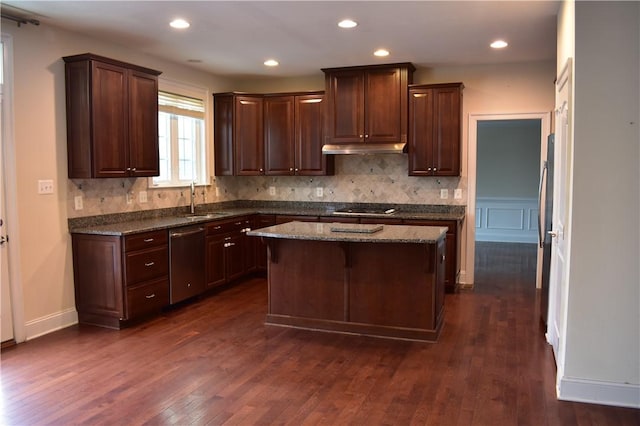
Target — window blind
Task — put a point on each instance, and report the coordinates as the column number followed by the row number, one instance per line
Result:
column 180, row 105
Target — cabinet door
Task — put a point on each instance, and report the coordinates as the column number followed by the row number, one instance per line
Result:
column 309, row 135
column 447, row 136
column 261, row 221
column 110, row 120
column 214, row 258
column 234, row 255
column 249, row 138
column 97, row 273
column 421, row 132
column 223, row 135
column 383, row 106
column 143, row 125
column 279, row 135
column 345, row 108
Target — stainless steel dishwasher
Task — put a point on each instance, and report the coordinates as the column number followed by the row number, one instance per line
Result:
column 186, row 263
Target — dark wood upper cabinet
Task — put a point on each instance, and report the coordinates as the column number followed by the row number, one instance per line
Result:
column 112, row 118
column 309, row 136
column 238, row 134
column 435, row 129
column 272, row 134
column 367, row 104
column 294, row 129
column 279, row 135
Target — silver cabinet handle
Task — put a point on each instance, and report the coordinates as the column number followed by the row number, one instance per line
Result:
column 150, row 296
column 229, row 244
column 149, row 264
column 553, row 234
column 148, row 240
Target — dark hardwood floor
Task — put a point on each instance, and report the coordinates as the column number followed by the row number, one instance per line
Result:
column 214, row 362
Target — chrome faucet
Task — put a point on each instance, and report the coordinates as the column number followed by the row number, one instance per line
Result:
column 193, row 197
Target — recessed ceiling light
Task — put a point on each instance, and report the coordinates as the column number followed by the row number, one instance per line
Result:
column 347, row 23
column 381, row 52
column 271, row 63
column 179, row 23
column 499, row 44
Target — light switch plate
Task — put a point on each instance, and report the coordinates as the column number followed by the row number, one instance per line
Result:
column 319, row 192
column 142, row 196
column 45, row 186
column 457, row 193
column 444, row 193
column 77, row 202
column 272, row 190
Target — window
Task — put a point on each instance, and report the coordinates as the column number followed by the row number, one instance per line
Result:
column 182, row 140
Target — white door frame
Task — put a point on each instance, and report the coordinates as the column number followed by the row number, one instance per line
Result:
column 470, row 220
column 11, row 194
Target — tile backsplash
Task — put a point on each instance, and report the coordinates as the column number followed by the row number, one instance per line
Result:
column 358, row 179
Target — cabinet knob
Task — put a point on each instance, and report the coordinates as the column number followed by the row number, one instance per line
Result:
column 428, row 169
column 133, row 169
column 366, row 136
column 290, row 169
column 435, row 169
column 361, row 136
column 261, row 170
column 296, row 170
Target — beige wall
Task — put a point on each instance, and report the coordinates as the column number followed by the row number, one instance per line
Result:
column 40, row 138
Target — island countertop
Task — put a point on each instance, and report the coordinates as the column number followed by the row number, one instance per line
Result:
column 348, row 232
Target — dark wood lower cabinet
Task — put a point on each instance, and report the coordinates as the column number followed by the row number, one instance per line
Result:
column 229, row 252
column 120, row 278
column 453, row 248
column 382, row 289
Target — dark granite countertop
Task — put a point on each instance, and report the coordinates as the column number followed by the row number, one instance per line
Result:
column 151, row 220
column 351, row 232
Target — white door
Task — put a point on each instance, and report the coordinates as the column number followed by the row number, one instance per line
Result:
column 558, row 288
column 6, row 315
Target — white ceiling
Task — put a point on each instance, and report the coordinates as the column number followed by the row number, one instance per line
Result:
column 236, row 37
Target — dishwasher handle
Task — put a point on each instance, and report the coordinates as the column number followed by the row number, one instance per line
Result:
column 180, row 234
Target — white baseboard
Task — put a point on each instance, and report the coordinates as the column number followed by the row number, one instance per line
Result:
column 595, row 392
column 47, row 324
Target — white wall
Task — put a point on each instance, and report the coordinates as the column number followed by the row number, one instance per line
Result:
column 602, row 362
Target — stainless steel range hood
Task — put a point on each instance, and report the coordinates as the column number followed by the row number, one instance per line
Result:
column 365, row 148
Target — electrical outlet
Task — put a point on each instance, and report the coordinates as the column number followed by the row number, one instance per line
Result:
column 457, row 193
column 142, row 196
column 217, row 191
column 77, row 202
column 45, row 186
column 319, row 192
column 444, row 193
column 272, row 190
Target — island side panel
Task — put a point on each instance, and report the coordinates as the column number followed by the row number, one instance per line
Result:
column 393, row 284
column 306, row 279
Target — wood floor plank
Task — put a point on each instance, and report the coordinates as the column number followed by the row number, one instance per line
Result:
column 213, row 361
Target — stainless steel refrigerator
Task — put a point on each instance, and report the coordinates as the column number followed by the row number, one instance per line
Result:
column 546, row 181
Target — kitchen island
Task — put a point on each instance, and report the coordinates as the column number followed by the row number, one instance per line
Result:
column 379, row 280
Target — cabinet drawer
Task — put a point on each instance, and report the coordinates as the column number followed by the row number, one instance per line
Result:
column 148, row 298
column 231, row 225
column 145, row 265
column 145, row 240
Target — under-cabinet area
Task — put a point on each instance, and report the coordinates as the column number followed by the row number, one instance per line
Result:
column 127, row 271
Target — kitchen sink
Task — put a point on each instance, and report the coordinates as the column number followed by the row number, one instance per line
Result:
column 202, row 216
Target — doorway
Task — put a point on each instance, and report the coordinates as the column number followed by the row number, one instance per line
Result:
column 11, row 313
column 511, row 220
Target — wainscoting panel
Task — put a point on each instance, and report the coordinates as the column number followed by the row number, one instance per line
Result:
column 511, row 220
